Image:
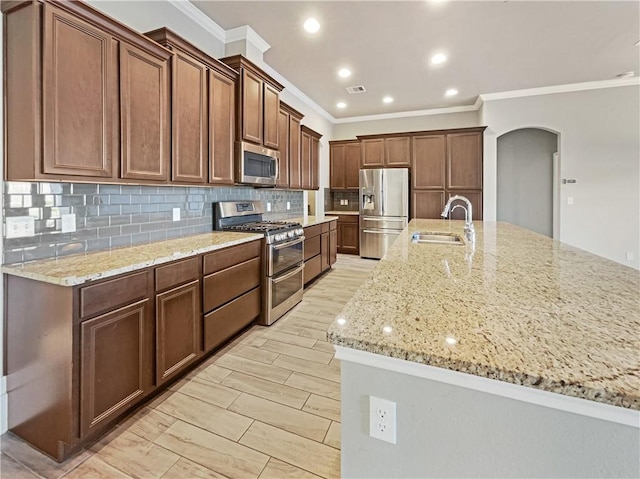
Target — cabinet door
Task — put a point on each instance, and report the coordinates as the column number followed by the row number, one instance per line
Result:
column 464, row 160
column 221, row 128
column 178, row 329
column 475, row 196
column 372, row 153
column 337, row 167
column 144, row 96
column 115, row 363
column 348, row 238
column 397, row 151
column 428, row 162
column 295, row 162
column 315, row 163
column 324, row 251
column 427, row 204
column 283, row 163
column 352, row 165
column 333, row 246
column 271, row 123
column 189, row 133
column 305, row 160
column 251, row 107
column 79, row 97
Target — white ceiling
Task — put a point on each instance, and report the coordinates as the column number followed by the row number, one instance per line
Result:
column 491, row 47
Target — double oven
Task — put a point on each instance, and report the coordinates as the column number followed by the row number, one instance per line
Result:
column 283, row 256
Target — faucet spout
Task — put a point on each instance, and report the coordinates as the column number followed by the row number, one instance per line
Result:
column 469, row 230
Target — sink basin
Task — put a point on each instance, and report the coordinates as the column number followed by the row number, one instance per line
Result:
column 437, row 238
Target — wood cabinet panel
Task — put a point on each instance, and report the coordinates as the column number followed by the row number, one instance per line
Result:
column 295, row 159
column 311, row 247
column 189, row 119
column 252, row 92
column 283, row 139
column 271, row 110
column 79, row 97
column 427, row 204
column 112, row 293
column 144, row 94
column 305, row 159
column 221, row 128
column 224, row 322
column 226, row 257
column 344, row 159
column 311, row 231
column 333, row 245
column 312, row 268
column 178, row 329
column 475, row 196
column 315, row 163
column 348, row 238
column 324, row 251
column 372, row 151
column 115, row 364
column 397, row 151
column 174, row 274
column 428, row 162
column 337, row 167
column 352, row 165
column 230, row 283
column 464, row 160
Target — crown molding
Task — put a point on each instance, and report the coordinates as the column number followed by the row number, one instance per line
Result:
column 247, row 33
column 549, row 90
column 199, row 17
column 406, row 114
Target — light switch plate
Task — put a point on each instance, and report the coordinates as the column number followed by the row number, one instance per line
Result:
column 20, row 226
column 288, row 205
column 268, row 206
column 68, row 223
column 176, row 214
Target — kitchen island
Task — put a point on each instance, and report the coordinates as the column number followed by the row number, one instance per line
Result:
column 516, row 356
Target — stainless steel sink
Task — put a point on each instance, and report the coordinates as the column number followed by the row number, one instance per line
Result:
column 437, row 238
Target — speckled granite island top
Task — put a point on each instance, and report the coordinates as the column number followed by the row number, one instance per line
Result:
column 78, row 269
column 519, row 308
column 314, row 220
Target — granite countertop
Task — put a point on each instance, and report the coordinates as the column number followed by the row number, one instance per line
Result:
column 314, row 220
column 519, row 308
column 342, row 212
column 78, row 269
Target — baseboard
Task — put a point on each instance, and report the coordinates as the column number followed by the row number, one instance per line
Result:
column 3, row 405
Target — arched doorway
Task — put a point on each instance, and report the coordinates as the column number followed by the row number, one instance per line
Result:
column 527, row 176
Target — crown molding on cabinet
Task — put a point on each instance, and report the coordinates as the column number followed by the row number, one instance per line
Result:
column 247, row 33
column 405, row 114
column 198, row 16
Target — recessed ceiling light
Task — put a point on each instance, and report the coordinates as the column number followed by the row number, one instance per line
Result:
column 625, row 75
column 387, row 99
column 344, row 72
column 438, row 58
column 312, row 25
column 341, row 104
column 451, row 92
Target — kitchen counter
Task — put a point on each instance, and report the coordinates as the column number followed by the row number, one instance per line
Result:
column 314, row 220
column 78, row 269
column 520, row 308
column 341, row 213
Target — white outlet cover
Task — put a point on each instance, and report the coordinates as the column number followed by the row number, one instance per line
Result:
column 68, row 223
column 268, row 206
column 570, row 200
column 20, row 226
column 288, row 205
column 629, row 256
column 176, row 214
column 382, row 419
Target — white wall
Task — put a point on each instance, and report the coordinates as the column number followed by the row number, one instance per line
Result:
column 346, row 131
column 599, row 147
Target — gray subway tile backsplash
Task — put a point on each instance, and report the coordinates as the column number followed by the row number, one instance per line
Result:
column 111, row 216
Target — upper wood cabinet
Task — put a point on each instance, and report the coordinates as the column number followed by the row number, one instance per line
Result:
column 310, row 158
column 258, row 105
column 202, row 113
column 289, row 170
column 87, row 98
column 464, row 160
column 386, row 151
column 344, row 164
column 429, row 161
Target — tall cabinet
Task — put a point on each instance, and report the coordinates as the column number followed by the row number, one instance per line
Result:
column 310, row 158
column 290, row 171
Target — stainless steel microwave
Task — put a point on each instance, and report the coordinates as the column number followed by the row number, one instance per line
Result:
column 256, row 165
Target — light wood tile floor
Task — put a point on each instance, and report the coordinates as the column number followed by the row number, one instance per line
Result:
column 266, row 405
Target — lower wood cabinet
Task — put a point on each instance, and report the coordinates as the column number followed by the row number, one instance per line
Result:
column 348, row 234
column 320, row 248
column 224, row 322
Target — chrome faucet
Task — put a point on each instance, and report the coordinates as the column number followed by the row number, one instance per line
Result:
column 469, row 230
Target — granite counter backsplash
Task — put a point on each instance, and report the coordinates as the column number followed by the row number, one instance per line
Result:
column 111, row 216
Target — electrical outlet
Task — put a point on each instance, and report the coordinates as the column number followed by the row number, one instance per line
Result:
column 20, row 226
column 288, row 206
column 68, row 223
column 176, row 214
column 629, row 256
column 570, row 200
column 382, row 419
column 268, row 206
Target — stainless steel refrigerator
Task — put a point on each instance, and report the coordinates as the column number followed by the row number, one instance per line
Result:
column 384, row 209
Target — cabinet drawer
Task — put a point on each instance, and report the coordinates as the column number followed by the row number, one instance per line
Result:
column 224, row 258
column 224, row 322
column 348, row 219
column 110, row 294
column 333, row 225
column 325, row 228
column 177, row 273
column 311, row 231
column 312, row 268
column 311, row 247
column 230, row 283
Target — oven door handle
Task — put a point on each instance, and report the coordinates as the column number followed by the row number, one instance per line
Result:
column 288, row 275
column 288, row 244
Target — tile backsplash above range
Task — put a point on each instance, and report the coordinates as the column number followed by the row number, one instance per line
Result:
column 110, row 216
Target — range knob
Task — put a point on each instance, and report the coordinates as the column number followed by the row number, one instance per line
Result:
column 290, row 234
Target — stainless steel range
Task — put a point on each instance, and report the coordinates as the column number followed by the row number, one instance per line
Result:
column 283, row 253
